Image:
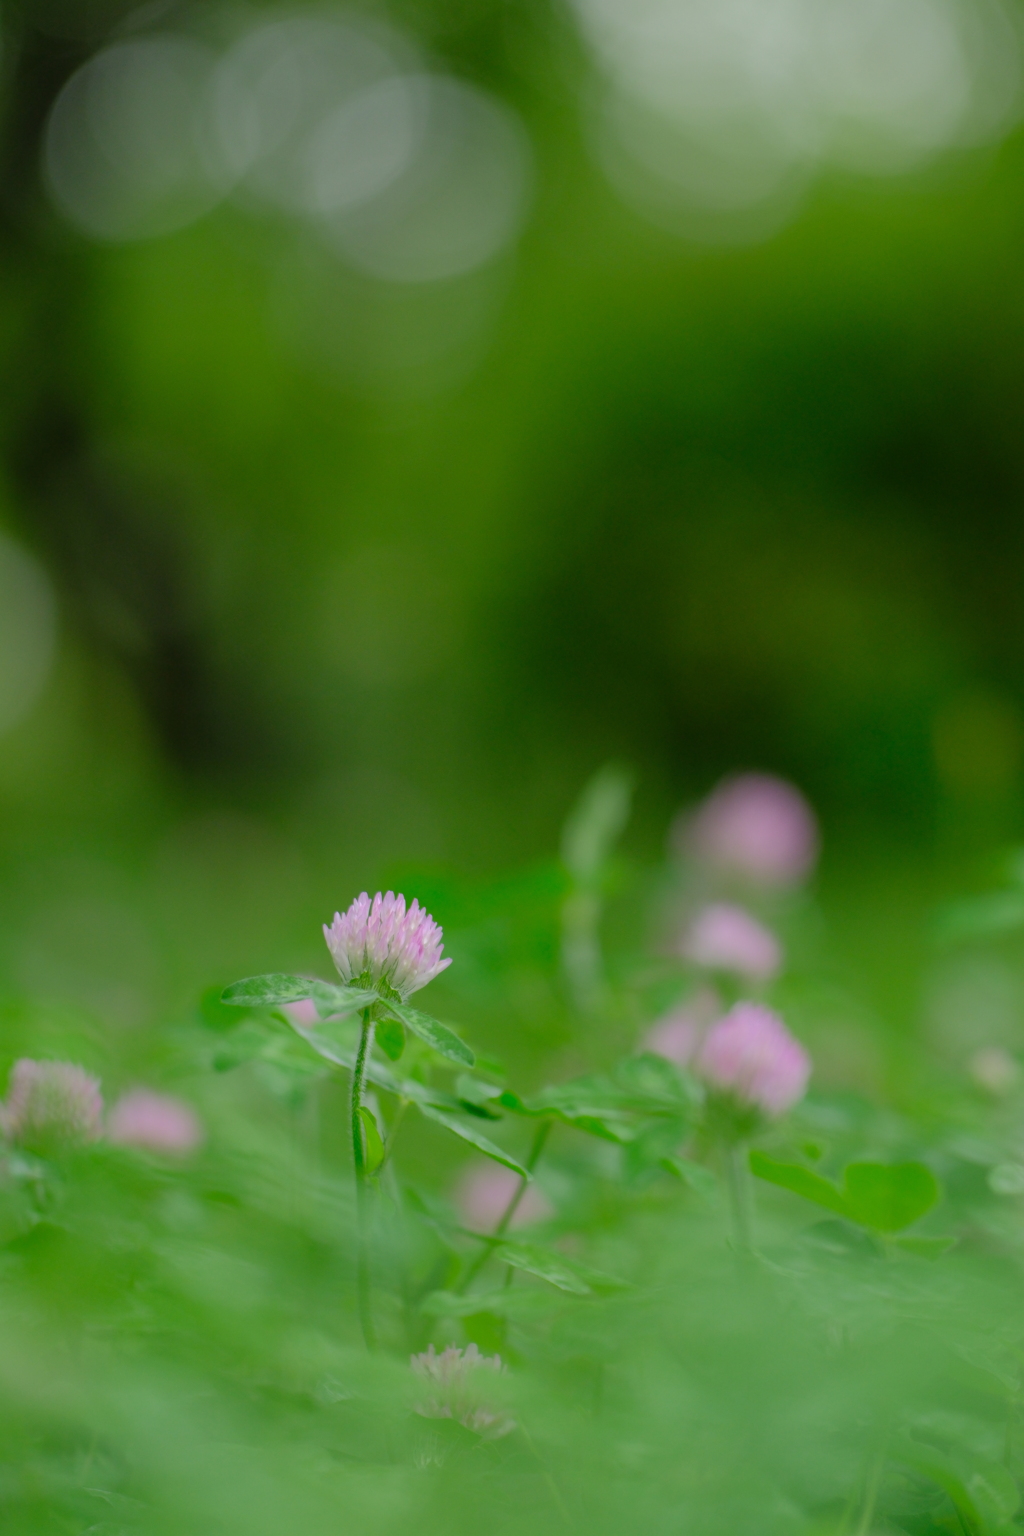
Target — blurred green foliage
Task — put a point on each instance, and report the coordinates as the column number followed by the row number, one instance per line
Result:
column 356, row 586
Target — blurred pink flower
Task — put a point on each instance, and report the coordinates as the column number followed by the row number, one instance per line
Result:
column 156, row 1121
column 303, row 1013
column 754, row 825
column 51, row 1103
column 677, row 1034
column 483, row 1192
column 993, row 1067
column 752, row 1055
column 723, row 937
column 454, row 1376
column 382, row 941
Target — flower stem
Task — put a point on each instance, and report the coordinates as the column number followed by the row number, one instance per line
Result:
column 873, row 1480
column 539, row 1140
column 362, row 1186
column 737, row 1173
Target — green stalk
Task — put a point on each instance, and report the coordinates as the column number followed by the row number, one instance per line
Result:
column 737, row 1173
column 874, row 1478
column 539, row 1140
column 362, row 1184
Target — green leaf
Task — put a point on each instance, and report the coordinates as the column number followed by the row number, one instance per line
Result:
column 513, row 1301
column 275, row 991
column 700, row 1179
column 390, row 1036
column 268, row 991
column 883, row 1196
column 435, row 1034
column 468, row 1132
column 889, row 1196
column 473, row 1090
column 926, row 1247
column 546, row 1265
column 648, row 1081
column 802, row 1181
column 993, row 1493
column 332, row 999
column 656, row 1141
column 985, row 1494
column 374, row 1143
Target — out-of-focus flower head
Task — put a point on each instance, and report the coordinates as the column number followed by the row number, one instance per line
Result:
column 678, row 1033
column 380, row 942
column 51, row 1104
column 751, row 1056
column 753, row 825
column 303, row 1013
column 993, row 1068
column 455, row 1381
column 155, row 1121
column 483, row 1194
column 723, row 937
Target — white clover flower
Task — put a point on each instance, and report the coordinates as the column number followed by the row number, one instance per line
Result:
column 381, row 942
column 454, row 1377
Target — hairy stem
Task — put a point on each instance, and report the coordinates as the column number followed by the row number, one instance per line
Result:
column 362, row 1187
column 539, row 1140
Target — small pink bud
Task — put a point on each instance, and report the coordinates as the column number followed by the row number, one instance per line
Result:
column 753, row 825
column 751, row 1055
column 155, row 1121
column 677, row 1034
column 483, row 1194
column 51, row 1104
column 723, row 937
column 380, row 940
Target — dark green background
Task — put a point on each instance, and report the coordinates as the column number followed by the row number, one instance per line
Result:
column 692, row 509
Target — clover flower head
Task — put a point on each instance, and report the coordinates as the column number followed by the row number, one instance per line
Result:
column 383, row 941
column 51, row 1104
column 751, row 1055
column 677, row 1034
column 753, row 825
column 454, row 1379
column 723, row 937
column 156, row 1122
